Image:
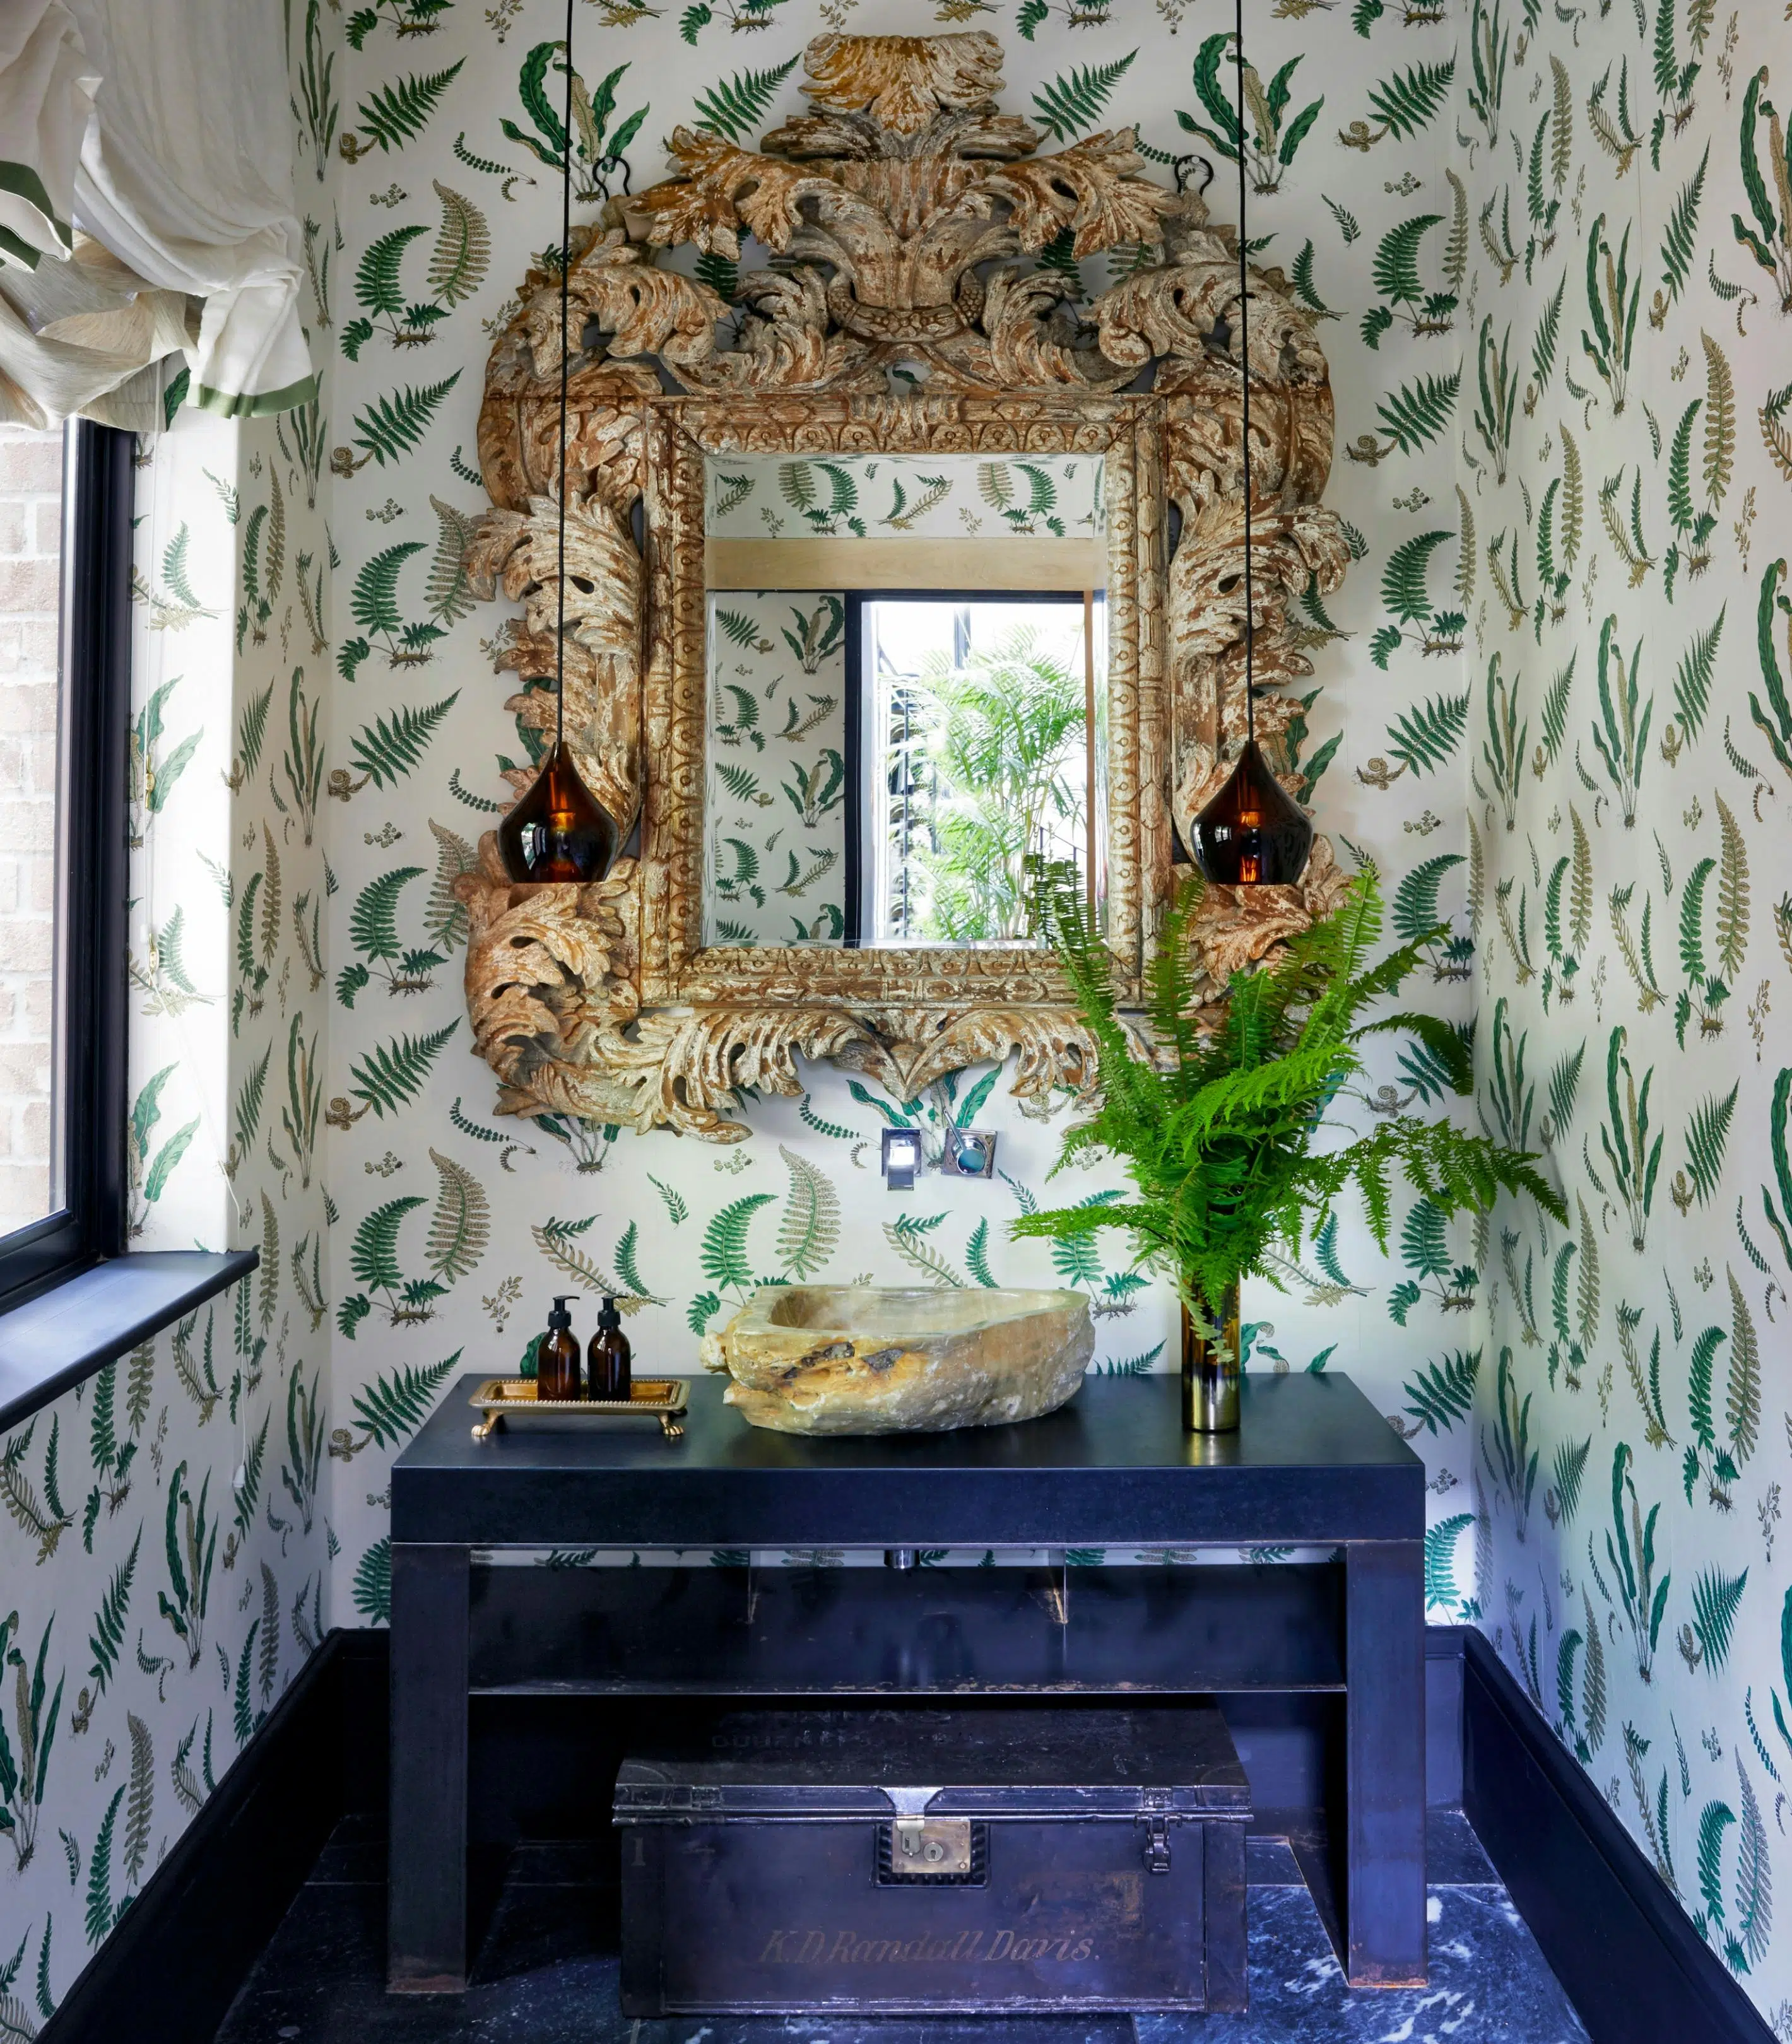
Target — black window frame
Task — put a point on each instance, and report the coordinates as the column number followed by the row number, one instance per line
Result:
column 90, row 1010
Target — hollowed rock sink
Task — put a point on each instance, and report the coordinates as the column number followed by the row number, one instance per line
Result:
column 873, row 1360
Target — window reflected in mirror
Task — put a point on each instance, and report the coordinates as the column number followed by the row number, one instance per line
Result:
column 977, row 767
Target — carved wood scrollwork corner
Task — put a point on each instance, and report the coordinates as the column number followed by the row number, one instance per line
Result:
column 904, row 210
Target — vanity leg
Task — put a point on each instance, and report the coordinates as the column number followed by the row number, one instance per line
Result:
column 1385, row 1895
column 426, row 1922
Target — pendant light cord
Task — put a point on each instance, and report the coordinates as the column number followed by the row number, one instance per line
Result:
column 566, row 282
column 1244, row 377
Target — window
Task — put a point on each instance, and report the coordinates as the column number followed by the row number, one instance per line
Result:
column 65, row 507
column 976, row 766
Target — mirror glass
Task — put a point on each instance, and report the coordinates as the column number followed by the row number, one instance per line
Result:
column 907, row 696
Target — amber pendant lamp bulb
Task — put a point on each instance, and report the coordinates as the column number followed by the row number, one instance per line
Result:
column 559, row 830
column 1253, row 832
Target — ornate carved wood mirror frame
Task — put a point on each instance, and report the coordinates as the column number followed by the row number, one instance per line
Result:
column 900, row 316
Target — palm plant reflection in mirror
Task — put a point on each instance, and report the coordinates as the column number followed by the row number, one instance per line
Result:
column 982, row 784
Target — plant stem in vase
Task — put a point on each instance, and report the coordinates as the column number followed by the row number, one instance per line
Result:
column 1212, row 1366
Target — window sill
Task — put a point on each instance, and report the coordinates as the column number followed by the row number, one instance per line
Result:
column 59, row 1339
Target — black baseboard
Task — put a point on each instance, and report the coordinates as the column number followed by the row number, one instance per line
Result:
column 1622, row 1947
column 172, row 1967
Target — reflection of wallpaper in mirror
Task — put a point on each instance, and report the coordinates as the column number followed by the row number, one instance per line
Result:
column 778, row 497
column 775, row 798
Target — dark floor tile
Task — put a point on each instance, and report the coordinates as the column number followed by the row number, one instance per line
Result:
column 557, row 1862
column 538, row 1925
column 537, row 1982
column 1270, row 1863
column 1454, row 1856
column 1489, row 1985
column 354, row 1851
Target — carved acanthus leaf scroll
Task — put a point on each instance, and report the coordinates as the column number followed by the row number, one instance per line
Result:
column 905, row 312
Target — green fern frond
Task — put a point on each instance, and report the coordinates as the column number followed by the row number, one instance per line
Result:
column 394, row 426
column 1681, row 239
column 1444, row 1391
column 378, row 287
column 1424, row 737
column 723, row 1255
column 1419, row 411
column 373, row 925
column 391, row 1075
column 398, row 112
column 392, row 747
column 1403, row 578
column 398, row 1402
column 1074, row 100
column 733, row 107
column 1413, row 98
column 1717, row 1599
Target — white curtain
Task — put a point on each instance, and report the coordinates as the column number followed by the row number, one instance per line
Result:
column 146, row 211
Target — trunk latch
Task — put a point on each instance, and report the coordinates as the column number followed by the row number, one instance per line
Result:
column 940, row 1846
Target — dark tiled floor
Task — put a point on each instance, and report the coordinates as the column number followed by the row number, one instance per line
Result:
column 546, row 1973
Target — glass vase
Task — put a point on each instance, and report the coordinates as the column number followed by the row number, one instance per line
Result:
column 1211, row 1368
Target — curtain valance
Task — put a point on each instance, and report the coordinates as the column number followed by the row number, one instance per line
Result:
column 147, row 228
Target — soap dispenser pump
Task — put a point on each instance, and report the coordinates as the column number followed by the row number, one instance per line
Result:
column 607, row 1361
column 557, row 1361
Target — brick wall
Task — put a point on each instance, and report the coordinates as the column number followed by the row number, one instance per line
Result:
column 30, row 545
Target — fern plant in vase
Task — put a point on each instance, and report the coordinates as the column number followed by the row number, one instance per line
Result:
column 1225, row 1135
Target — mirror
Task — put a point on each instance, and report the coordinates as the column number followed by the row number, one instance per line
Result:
column 906, row 713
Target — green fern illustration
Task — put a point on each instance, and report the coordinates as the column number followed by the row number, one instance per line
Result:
column 1708, row 1132
column 1717, row 1599
column 732, row 107
column 101, row 1917
column 1569, row 1468
column 374, row 599
column 1443, row 1392
column 1424, row 737
column 1075, row 99
column 372, row 1585
column 1679, row 242
column 1419, row 411
column 398, row 1402
column 1543, row 347
column 391, row 1075
column 1413, row 98
column 394, row 426
column 722, row 1256
column 1441, row 1543
column 107, row 1639
column 398, row 112
column 810, row 1232
column 390, row 748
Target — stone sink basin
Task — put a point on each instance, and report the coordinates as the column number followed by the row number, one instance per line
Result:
column 878, row 1359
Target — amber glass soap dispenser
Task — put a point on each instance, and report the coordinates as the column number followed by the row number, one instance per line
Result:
column 557, row 1361
column 607, row 1360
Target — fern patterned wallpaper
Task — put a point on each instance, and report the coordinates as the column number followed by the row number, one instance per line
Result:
column 167, row 1557
column 1554, row 357
column 1628, row 753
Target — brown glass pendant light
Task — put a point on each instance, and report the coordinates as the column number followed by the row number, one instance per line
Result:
column 559, row 830
column 1253, row 832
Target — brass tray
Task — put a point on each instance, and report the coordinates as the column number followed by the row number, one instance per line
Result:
column 510, row 1401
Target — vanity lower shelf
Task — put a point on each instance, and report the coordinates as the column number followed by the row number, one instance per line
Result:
column 840, row 1631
